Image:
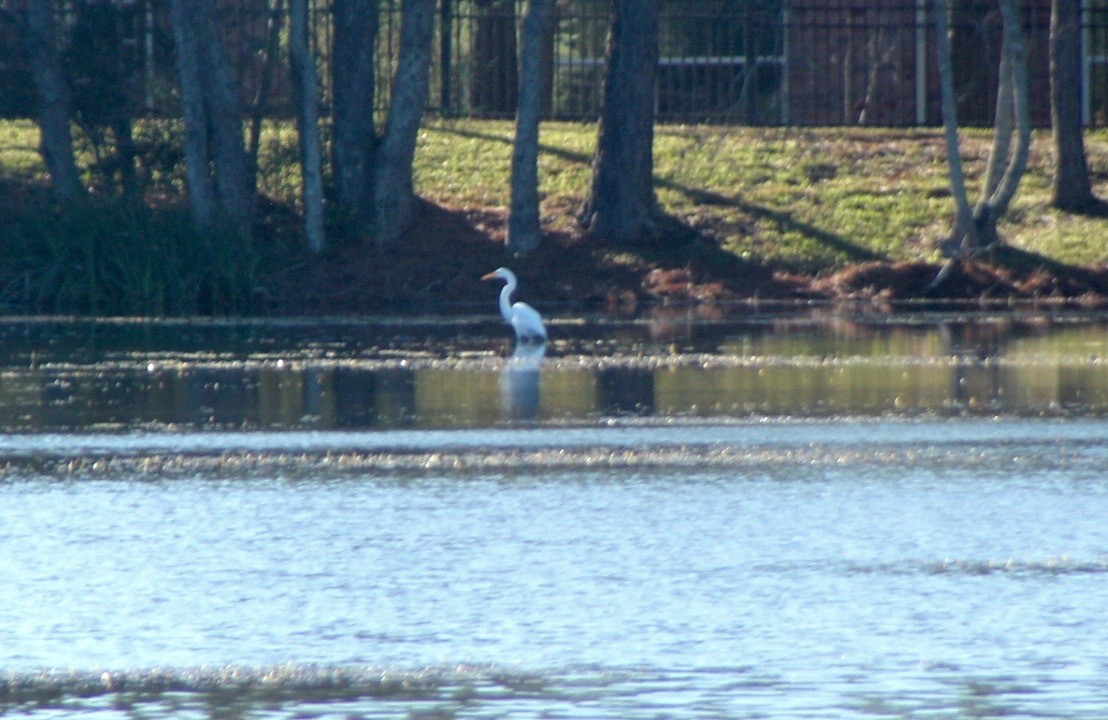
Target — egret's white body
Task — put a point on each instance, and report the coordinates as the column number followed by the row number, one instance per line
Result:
column 523, row 318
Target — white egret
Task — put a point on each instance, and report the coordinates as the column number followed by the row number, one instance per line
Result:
column 523, row 318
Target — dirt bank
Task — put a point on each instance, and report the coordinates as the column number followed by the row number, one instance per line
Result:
column 439, row 265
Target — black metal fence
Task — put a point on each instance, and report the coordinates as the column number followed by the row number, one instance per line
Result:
column 764, row 62
column 768, row 62
column 761, row 62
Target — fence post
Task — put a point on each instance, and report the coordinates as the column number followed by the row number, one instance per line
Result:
column 149, row 75
column 1085, row 23
column 785, row 63
column 446, row 39
column 921, row 62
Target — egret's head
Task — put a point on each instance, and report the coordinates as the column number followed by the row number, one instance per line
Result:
column 499, row 274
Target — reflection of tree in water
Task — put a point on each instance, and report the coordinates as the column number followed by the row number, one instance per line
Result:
column 975, row 383
column 625, row 391
column 358, row 398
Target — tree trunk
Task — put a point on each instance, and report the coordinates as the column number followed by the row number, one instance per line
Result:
column 495, row 76
column 234, row 182
column 213, row 121
column 976, row 229
column 1004, row 122
column 621, row 206
column 393, row 190
column 305, row 82
column 201, row 187
column 524, row 228
column 99, row 78
column 54, row 104
column 1072, row 189
column 964, row 214
column 1013, row 65
column 353, row 89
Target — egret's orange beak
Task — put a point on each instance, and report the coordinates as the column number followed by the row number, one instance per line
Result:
column 490, row 276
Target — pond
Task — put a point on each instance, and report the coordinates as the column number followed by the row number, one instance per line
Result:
column 779, row 517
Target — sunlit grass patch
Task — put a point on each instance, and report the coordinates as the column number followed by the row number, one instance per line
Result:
column 20, row 160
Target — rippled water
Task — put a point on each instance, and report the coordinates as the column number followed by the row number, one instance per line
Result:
column 631, row 564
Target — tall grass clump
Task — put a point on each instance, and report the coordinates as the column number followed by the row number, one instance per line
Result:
column 124, row 261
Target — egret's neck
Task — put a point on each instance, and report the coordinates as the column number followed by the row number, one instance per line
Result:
column 505, row 299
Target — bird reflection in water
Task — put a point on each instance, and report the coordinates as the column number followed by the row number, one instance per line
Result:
column 519, row 382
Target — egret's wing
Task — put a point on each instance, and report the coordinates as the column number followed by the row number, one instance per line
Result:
column 527, row 321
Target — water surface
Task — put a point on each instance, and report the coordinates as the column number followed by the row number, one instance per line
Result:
column 455, row 373
column 682, row 528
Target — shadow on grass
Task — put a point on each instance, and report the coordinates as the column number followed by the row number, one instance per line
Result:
column 568, row 155
column 784, row 220
column 1041, row 273
column 672, row 224
column 1093, row 207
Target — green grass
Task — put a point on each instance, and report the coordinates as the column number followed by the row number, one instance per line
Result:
column 20, row 161
column 812, row 199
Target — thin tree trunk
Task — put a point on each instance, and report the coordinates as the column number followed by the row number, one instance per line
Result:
column 963, row 212
column 524, row 228
column 54, row 103
column 201, row 188
column 1004, row 123
column 621, row 205
column 353, row 138
column 1072, row 187
column 879, row 60
column 394, row 195
column 126, row 152
column 963, row 218
column 305, row 81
